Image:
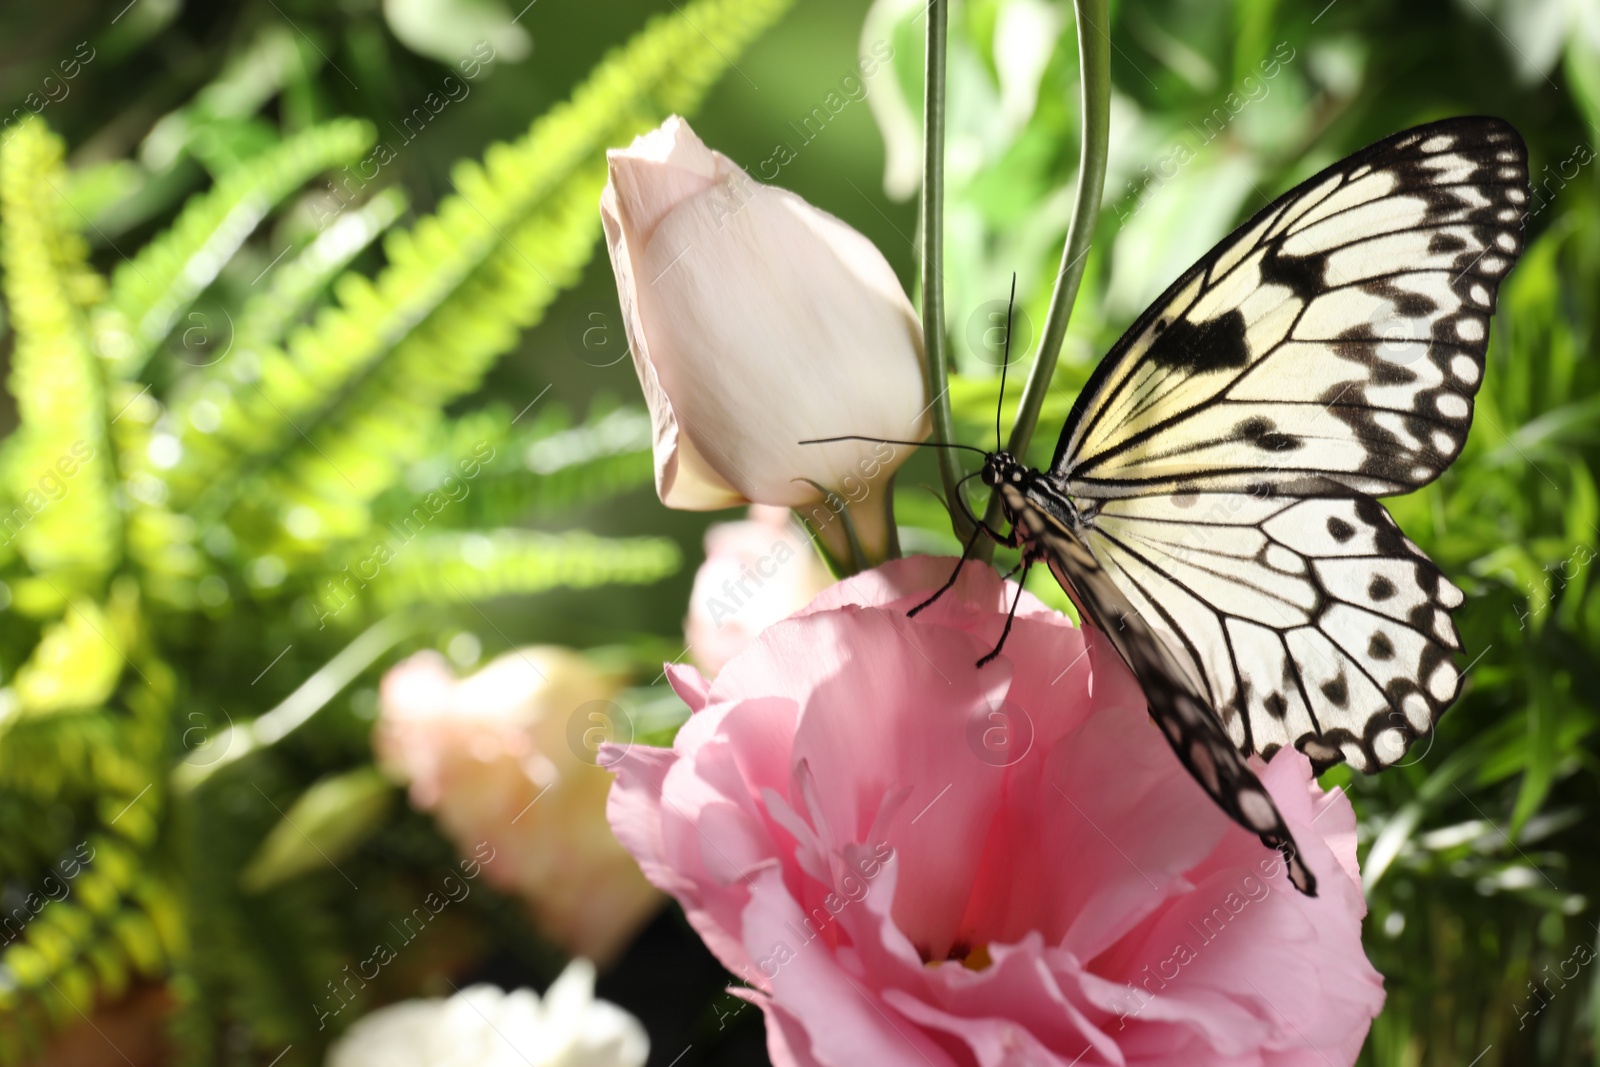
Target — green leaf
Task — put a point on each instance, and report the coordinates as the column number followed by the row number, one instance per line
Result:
column 323, row 826
column 251, row 77
column 1547, row 696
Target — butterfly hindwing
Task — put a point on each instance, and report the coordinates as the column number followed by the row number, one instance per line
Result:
column 1313, row 623
column 1331, row 344
column 1176, row 701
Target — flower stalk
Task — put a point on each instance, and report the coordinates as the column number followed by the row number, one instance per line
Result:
column 1094, row 62
column 936, row 366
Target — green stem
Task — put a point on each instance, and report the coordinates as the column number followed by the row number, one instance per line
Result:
column 936, row 366
column 1094, row 61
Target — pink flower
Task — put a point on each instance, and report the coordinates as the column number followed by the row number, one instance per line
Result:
column 756, row 572
column 498, row 760
column 914, row 862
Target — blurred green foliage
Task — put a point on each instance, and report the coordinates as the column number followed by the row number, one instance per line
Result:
column 242, row 442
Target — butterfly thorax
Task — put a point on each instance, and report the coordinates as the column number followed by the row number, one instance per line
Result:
column 1032, row 500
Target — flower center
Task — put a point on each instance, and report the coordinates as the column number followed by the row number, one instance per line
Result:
column 973, row 959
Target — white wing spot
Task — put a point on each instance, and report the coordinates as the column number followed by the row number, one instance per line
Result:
column 1508, row 215
column 1506, row 157
column 1390, row 745
column 1442, row 628
column 1418, row 713
column 1354, row 755
column 1443, row 682
column 1506, row 242
column 1516, row 196
column 1508, row 172
column 1452, row 405
column 1438, row 143
column 1449, row 595
column 1480, row 295
column 1443, row 442
column 1422, row 474
column 1465, row 368
column 1469, row 329
column 1492, row 264
column 1257, row 809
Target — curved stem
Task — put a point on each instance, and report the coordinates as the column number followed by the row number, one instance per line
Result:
column 1094, row 61
column 935, row 364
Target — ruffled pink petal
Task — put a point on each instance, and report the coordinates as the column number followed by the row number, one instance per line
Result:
column 692, row 688
column 859, row 836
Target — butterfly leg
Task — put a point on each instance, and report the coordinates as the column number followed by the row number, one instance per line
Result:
column 972, row 543
column 979, row 528
column 1027, row 561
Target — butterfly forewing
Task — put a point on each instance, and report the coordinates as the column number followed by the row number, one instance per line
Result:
column 1331, row 345
column 1224, row 456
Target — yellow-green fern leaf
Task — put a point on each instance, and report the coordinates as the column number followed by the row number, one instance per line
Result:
column 213, row 408
column 75, row 665
column 148, row 292
column 60, row 515
column 455, row 568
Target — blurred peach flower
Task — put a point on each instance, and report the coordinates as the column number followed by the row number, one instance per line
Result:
column 757, row 321
column 756, row 572
column 504, row 757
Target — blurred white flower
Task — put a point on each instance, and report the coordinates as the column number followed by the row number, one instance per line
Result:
column 494, row 758
column 756, row 321
column 483, row 1026
column 756, row 572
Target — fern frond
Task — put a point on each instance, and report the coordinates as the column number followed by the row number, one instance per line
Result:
column 508, row 476
column 354, row 398
column 75, row 665
column 207, row 409
column 106, row 920
column 61, row 514
column 148, row 292
column 249, row 79
column 606, row 456
column 453, row 568
column 266, row 317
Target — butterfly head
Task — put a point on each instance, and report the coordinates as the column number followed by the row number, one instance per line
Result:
column 1002, row 467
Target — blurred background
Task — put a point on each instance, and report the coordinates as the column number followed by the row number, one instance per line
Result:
column 329, row 541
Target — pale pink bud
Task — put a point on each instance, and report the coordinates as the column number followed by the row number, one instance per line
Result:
column 756, row 572
column 756, row 321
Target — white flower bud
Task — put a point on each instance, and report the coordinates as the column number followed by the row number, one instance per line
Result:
column 756, row 321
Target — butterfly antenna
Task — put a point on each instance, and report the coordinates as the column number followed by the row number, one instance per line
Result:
column 1005, row 361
